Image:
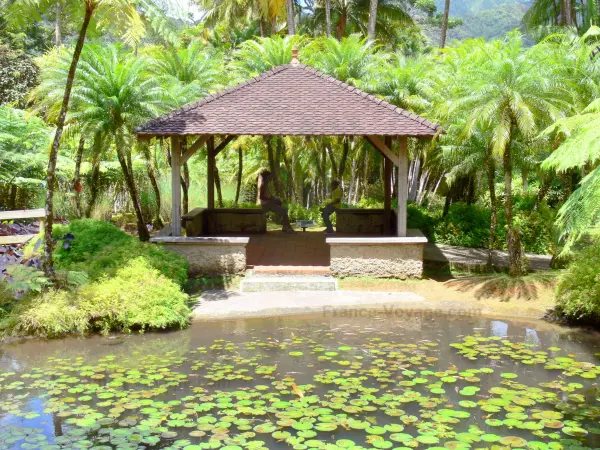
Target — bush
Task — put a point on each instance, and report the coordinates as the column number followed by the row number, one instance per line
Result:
column 137, row 297
column 464, row 226
column 578, row 290
column 52, row 314
column 421, row 219
column 100, row 249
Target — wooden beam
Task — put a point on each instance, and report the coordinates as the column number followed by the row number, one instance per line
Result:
column 224, row 143
column 402, row 184
column 210, row 176
column 194, row 148
column 387, row 191
column 380, row 145
column 175, row 186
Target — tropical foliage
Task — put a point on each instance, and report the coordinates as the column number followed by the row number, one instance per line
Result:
column 520, row 120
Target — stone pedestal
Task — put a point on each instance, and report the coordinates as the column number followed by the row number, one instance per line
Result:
column 385, row 257
column 209, row 256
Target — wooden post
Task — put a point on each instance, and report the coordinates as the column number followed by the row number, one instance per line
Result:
column 402, row 184
column 175, row 186
column 387, row 191
column 210, row 176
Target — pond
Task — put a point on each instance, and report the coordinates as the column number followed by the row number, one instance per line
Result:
column 351, row 380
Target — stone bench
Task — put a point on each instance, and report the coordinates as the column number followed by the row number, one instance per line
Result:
column 202, row 221
column 363, row 221
column 379, row 257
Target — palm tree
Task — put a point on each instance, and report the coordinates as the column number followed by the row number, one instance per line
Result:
column 257, row 56
column 372, row 20
column 351, row 16
column 352, row 59
column 328, row 18
column 445, row 24
column 116, row 14
column 291, row 22
column 231, row 12
column 579, row 149
column 194, row 71
column 113, row 94
column 511, row 95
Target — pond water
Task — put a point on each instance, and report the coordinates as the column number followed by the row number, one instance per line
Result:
column 338, row 381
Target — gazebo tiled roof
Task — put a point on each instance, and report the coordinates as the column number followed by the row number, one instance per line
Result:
column 292, row 99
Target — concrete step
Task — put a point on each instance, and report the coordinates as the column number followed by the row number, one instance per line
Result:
column 291, row 270
column 287, row 283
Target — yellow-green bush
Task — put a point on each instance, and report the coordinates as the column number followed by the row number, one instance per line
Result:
column 52, row 314
column 137, row 297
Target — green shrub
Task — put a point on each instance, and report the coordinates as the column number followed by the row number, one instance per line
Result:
column 137, row 297
column 578, row 290
column 465, row 226
column 52, row 314
column 100, row 249
column 421, row 219
column 299, row 212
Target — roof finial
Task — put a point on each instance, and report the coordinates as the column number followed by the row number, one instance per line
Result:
column 295, row 61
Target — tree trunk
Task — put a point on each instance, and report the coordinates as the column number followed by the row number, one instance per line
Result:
column 328, row 17
column 341, row 25
column 513, row 240
column 491, row 175
column 12, row 201
column 238, row 187
column 445, row 24
column 524, row 176
column 277, row 174
column 158, row 223
column 218, row 187
column 130, row 182
column 48, row 263
column 372, row 20
column 344, row 159
column 272, row 168
column 544, row 188
column 334, row 168
column 57, row 33
column 185, row 185
column 93, row 188
column 566, row 13
column 290, row 17
column 76, row 184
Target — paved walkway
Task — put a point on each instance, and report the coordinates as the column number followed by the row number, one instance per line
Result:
column 230, row 304
column 463, row 257
column 309, row 253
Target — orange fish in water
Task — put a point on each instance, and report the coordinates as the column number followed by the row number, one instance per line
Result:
column 297, row 390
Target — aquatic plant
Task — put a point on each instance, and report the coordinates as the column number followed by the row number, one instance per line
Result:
column 378, row 394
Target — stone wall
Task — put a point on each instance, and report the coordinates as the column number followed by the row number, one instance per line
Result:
column 209, row 256
column 399, row 257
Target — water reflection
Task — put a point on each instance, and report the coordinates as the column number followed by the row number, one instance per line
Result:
column 377, row 369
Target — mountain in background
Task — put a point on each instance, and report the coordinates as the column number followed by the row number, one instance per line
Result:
column 461, row 8
column 481, row 18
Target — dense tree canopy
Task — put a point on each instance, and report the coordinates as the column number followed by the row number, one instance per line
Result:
column 506, row 106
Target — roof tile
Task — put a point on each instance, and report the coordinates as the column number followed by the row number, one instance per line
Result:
column 291, row 100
